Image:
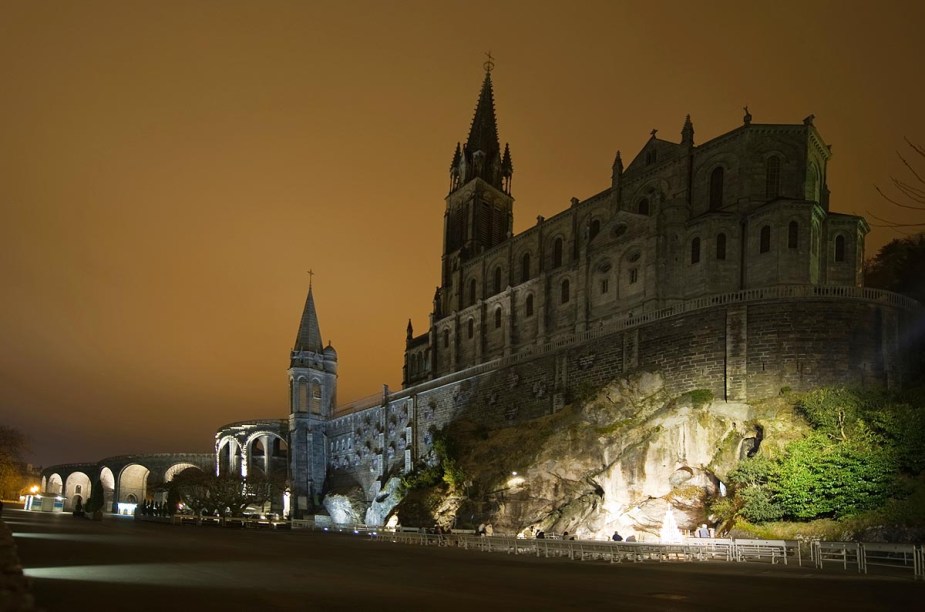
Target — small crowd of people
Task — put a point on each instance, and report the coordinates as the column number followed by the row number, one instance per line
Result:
column 485, row 529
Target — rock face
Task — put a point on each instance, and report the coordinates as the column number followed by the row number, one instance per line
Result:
column 614, row 462
column 383, row 503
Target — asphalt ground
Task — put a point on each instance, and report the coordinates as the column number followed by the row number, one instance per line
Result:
column 118, row 563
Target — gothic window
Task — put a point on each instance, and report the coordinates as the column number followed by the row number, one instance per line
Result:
column 604, row 286
column 764, row 240
column 525, row 268
column 633, row 275
column 302, row 399
column 471, row 328
column 528, row 307
column 695, row 250
column 565, row 292
column 793, row 235
column 316, row 398
column 839, row 248
column 772, row 177
column 498, row 279
column 472, row 292
column 721, row 246
column 446, row 338
column 498, row 317
column 643, row 207
column 716, row 188
column 557, row 253
column 595, row 229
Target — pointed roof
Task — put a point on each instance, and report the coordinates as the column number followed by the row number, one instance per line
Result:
column 483, row 134
column 309, row 336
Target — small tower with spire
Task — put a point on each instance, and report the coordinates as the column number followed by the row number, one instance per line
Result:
column 312, row 399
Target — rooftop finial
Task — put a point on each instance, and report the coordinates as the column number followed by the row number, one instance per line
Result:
column 310, row 275
column 489, row 63
column 747, row 119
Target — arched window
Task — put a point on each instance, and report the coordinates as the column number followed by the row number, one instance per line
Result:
column 498, row 279
column 839, row 248
column 793, row 235
column 643, row 207
column 764, row 241
column 497, row 317
column 471, row 326
column 721, row 246
column 302, row 400
column 716, row 188
column 565, row 291
column 525, row 268
column 528, row 307
column 772, row 177
column 446, row 338
column 695, row 250
column 595, row 229
column 472, row 292
column 557, row 253
column 316, row 398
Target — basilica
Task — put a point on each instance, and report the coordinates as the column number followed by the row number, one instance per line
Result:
column 719, row 264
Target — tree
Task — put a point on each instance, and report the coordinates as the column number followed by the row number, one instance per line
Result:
column 898, row 267
column 210, row 493
column 12, row 473
column 909, row 193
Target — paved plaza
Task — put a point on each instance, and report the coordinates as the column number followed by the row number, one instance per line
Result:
column 76, row 564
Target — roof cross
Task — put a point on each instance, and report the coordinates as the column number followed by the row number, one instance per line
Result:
column 490, row 63
column 310, row 275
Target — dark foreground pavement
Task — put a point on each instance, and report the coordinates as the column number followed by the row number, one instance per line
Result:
column 77, row 565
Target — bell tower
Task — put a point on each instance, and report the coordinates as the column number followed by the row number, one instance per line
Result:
column 479, row 207
column 312, row 399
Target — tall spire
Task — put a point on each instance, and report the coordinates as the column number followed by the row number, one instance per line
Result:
column 309, row 336
column 483, row 134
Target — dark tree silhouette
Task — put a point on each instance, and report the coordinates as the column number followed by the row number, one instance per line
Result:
column 899, row 267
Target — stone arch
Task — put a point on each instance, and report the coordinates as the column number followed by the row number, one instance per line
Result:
column 55, row 484
column 268, row 453
column 229, row 456
column 177, row 468
column 133, row 482
column 108, row 482
column 76, row 485
column 315, row 398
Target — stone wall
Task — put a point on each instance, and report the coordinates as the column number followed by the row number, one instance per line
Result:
column 745, row 349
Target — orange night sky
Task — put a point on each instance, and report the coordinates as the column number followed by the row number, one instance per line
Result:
column 169, row 171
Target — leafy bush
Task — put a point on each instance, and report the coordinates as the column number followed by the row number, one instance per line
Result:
column 701, row 397
column 852, row 462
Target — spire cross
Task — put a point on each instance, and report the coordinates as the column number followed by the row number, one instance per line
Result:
column 490, row 64
column 310, row 275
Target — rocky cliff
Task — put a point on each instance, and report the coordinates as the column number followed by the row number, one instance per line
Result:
column 615, row 460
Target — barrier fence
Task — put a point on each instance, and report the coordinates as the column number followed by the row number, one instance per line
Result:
column 692, row 549
column 863, row 556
